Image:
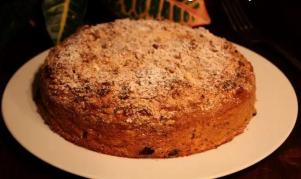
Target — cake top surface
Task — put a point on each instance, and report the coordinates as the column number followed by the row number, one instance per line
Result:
column 146, row 71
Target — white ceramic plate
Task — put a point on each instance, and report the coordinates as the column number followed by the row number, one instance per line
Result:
column 277, row 112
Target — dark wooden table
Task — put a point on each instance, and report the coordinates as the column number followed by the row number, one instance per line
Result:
column 285, row 162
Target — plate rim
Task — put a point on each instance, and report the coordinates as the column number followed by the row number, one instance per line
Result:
column 240, row 48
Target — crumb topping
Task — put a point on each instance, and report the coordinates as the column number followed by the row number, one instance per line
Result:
column 146, row 71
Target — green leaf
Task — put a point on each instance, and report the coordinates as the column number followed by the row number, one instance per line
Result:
column 62, row 17
column 190, row 12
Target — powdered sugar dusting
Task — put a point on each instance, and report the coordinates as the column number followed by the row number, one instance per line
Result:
column 148, row 69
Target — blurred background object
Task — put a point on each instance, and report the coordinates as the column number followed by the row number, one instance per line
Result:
column 64, row 17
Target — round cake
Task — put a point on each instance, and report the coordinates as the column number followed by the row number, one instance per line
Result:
column 146, row 88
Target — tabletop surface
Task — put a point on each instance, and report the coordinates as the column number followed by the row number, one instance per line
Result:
column 285, row 162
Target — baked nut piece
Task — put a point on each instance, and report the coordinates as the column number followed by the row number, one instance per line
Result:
column 145, row 88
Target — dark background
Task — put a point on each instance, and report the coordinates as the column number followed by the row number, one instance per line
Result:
column 23, row 35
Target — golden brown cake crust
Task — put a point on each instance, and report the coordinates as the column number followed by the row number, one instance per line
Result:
column 146, row 89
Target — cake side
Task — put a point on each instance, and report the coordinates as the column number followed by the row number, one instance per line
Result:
column 199, row 133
